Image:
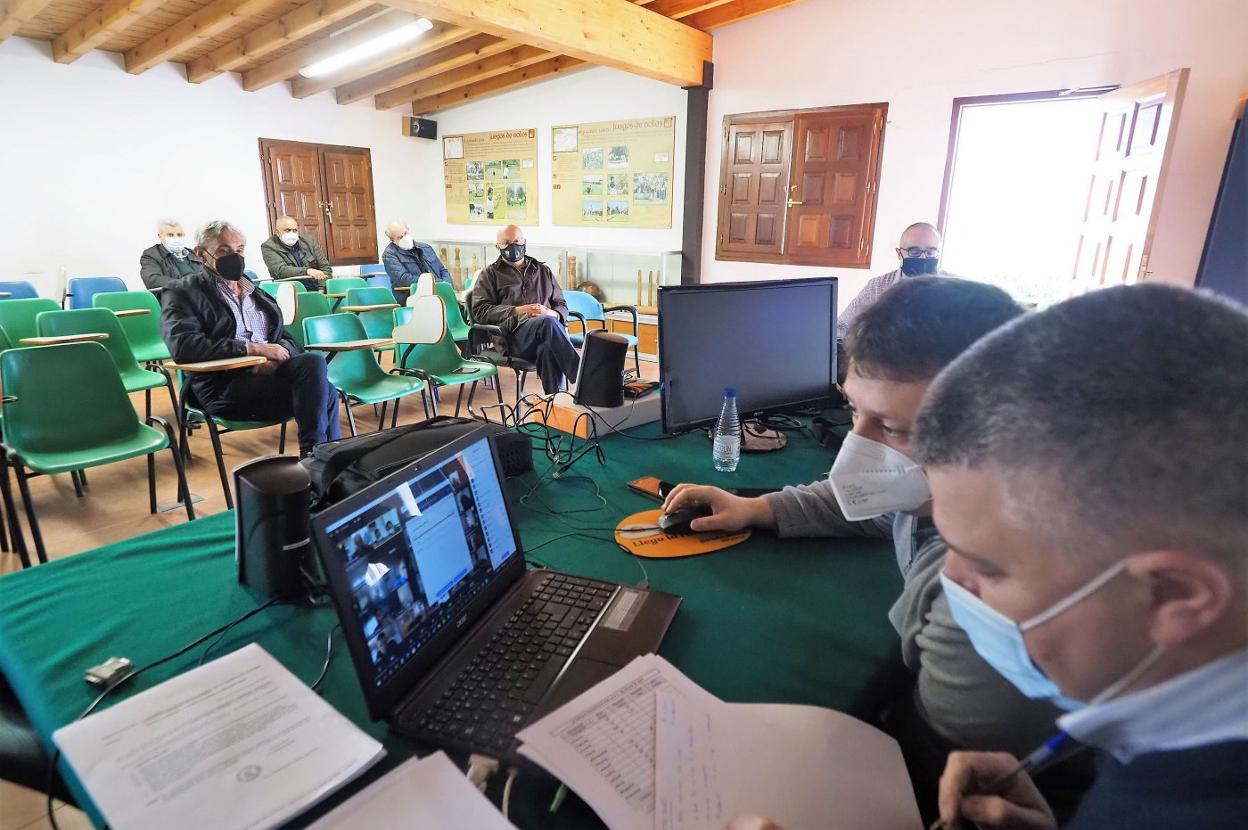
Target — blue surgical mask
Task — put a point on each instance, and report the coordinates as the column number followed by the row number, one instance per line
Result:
column 999, row 640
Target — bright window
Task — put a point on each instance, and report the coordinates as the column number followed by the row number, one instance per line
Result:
column 1015, row 188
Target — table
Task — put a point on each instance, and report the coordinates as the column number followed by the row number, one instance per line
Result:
column 132, row 312
column 797, row 621
column 222, row 364
column 373, row 307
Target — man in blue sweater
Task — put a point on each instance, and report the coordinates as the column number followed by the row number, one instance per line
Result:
column 1089, row 470
column 406, row 259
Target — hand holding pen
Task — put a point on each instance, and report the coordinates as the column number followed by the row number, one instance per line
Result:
column 994, row 791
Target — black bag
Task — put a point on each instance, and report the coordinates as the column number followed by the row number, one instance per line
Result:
column 341, row 468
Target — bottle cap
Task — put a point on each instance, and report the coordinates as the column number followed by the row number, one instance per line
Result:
column 730, row 392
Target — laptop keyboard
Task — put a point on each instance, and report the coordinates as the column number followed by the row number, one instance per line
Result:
column 492, row 697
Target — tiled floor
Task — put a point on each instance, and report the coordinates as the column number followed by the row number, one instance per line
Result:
column 115, row 507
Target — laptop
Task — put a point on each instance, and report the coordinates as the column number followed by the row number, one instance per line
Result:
column 455, row 642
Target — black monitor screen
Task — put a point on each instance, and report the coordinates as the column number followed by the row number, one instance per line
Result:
column 416, row 555
column 774, row 342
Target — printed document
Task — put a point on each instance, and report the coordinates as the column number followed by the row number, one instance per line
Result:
column 423, row 792
column 240, row 743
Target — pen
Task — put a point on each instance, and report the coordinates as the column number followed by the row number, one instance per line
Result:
column 1034, row 763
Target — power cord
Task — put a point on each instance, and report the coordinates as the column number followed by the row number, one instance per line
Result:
column 329, row 653
column 512, row 772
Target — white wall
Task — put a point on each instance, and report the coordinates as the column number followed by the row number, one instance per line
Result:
column 588, row 95
column 91, row 157
column 919, row 56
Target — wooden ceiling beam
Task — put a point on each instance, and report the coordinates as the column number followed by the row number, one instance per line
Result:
column 113, row 17
column 14, row 14
column 440, row 36
column 497, row 84
column 615, row 33
column 209, row 21
column 680, row 9
column 734, row 12
column 293, row 26
column 444, row 60
column 473, row 73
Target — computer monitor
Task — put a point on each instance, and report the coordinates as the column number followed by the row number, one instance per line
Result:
column 774, row 342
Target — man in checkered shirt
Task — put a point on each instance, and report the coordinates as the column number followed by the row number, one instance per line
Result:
column 919, row 252
column 222, row 314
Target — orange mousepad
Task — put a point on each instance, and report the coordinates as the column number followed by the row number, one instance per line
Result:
column 648, row 541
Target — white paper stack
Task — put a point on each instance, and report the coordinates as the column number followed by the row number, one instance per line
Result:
column 238, row 743
column 648, row 749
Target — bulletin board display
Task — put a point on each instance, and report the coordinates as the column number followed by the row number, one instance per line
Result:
column 614, row 174
column 491, row 177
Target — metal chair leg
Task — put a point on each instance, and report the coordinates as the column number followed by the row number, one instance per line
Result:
column 24, row 488
column 498, row 386
column 346, row 402
column 73, row 475
column 281, row 439
column 459, row 399
column 381, row 420
column 216, row 451
column 637, row 362
column 184, row 488
column 394, row 419
column 472, row 390
column 15, row 525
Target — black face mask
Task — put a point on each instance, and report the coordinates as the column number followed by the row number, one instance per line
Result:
column 513, row 253
column 231, row 267
column 917, row 266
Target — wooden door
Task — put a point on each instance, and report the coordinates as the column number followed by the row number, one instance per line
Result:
column 754, row 183
column 1124, row 192
column 348, row 187
column 832, row 192
column 293, row 186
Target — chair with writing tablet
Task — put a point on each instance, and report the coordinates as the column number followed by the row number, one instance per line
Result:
column 426, row 349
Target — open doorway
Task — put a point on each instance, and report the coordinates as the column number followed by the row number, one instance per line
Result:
column 1050, row 194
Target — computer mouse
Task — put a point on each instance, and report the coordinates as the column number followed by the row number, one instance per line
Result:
column 677, row 522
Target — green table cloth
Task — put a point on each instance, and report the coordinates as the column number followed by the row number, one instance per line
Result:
column 793, row 621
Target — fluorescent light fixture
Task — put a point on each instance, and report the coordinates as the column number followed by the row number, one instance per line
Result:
column 382, row 43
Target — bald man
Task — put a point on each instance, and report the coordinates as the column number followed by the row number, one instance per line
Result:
column 919, row 253
column 290, row 255
column 519, row 294
column 406, row 259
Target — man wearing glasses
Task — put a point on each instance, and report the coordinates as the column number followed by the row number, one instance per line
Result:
column 919, row 252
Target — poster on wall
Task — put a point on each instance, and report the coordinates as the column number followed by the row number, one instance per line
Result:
column 491, row 178
column 614, row 174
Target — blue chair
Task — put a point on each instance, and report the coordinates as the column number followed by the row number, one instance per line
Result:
column 378, row 282
column 251, row 275
column 585, row 308
column 81, row 291
column 18, row 290
column 372, row 269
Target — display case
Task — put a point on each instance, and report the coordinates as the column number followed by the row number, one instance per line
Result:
column 614, row 277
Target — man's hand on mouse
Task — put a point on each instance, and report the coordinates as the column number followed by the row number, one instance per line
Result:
column 728, row 512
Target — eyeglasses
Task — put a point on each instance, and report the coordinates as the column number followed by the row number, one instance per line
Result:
column 930, row 253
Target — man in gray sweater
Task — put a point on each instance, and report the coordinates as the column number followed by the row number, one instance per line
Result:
column 895, row 348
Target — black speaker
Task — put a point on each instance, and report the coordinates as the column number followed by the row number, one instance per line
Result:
column 414, row 127
column 600, row 381
column 272, row 529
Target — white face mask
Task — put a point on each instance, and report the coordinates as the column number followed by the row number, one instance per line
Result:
column 870, row 479
column 406, row 242
column 175, row 244
column 290, row 238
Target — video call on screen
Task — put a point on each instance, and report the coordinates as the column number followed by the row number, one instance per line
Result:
column 418, row 554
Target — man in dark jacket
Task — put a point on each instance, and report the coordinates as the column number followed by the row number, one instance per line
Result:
column 406, row 259
column 290, row 255
column 520, row 295
column 220, row 315
column 169, row 260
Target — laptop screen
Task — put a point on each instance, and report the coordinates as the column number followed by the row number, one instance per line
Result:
column 411, row 553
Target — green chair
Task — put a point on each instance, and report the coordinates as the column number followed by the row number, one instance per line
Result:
column 340, row 285
column 17, row 317
column 454, row 313
column 357, row 374
column 379, row 323
column 48, row 390
column 134, row 378
column 270, row 286
column 427, row 351
column 308, row 304
column 142, row 330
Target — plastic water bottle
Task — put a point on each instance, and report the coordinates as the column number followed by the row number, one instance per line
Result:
column 727, row 449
